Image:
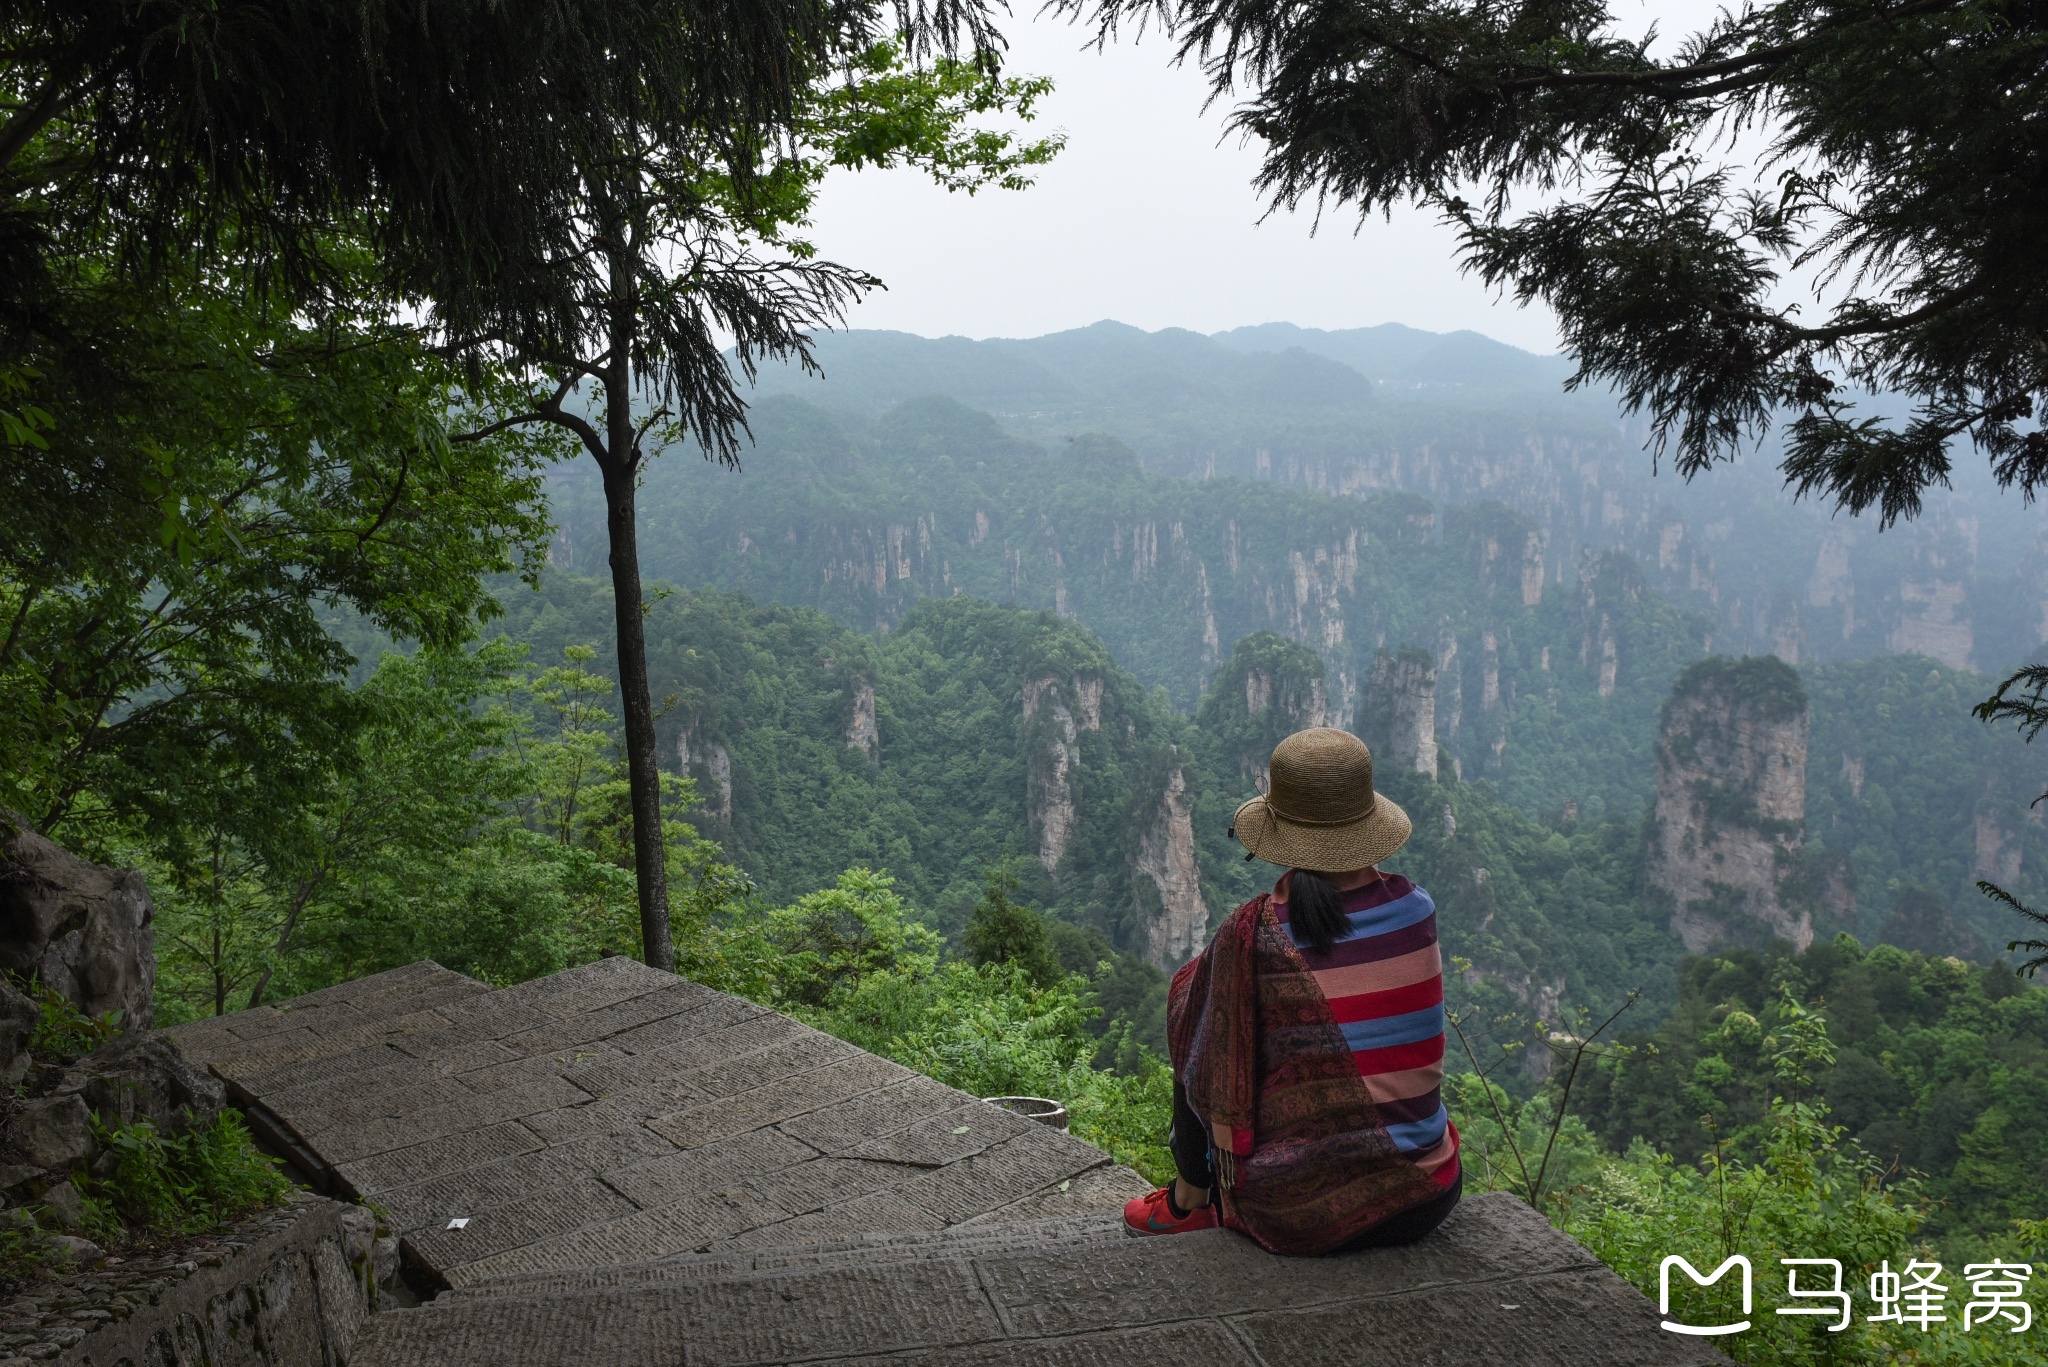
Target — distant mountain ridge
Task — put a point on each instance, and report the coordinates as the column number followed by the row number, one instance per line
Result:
column 1550, row 691
column 1394, row 353
column 1459, row 418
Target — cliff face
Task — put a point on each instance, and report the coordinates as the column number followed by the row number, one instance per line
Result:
column 1172, row 916
column 1731, row 804
column 1068, row 707
column 1177, row 922
column 710, row 763
column 861, row 732
column 1269, row 689
column 1398, row 717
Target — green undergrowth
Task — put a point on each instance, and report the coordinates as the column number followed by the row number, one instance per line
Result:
column 144, row 1186
column 1791, row 1183
column 62, row 1032
column 24, row 1250
column 167, row 1185
column 148, row 1187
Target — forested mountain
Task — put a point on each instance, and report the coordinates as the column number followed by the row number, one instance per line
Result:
column 1458, row 419
column 1549, row 693
column 973, row 736
column 935, row 500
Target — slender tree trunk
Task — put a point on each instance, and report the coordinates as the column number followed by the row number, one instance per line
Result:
column 621, row 473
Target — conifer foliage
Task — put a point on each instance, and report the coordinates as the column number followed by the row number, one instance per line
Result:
column 285, row 286
column 1002, row 930
column 1906, row 140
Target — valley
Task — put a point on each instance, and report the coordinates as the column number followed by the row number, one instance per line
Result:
column 1510, row 668
column 932, row 639
column 1459, row 419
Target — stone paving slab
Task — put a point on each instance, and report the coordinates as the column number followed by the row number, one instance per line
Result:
column 613, row 1113
column 673, row 1175
column 709, row 1038
column 491, row 1187
column 697, row 1222
column 1495, row 1285
column 436, row 1157
column 885, row 1212
column 866, row 1248
column 616, row 1166
column 662, row 1004
column 846, row 1125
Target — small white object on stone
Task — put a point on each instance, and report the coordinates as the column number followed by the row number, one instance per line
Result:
column 459, row 1222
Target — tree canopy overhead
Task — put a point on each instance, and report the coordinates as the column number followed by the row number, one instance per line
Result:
column 297, row 294
column 444, row 129
column 1907, row 141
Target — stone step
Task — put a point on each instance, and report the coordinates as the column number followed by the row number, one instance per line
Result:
column 1495, row 1285
column 614, row 1114
column 612, row 1165
column 978, row 1240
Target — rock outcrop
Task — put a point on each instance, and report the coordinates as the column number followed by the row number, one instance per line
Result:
column 1731, row 802
column 143, row 1076
column 79, row 929
column 1177, row 922
column 1999, row 848
column 18, row 1017
column 861, row 732
column 1056, row 711
column 1398, row 717
column 1270, row 688
column 81, row 932
column 711, row 765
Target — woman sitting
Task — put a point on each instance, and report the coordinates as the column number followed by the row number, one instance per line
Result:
column 1308, row 1037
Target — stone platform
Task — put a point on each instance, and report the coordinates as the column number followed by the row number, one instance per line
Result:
column 615, row 1165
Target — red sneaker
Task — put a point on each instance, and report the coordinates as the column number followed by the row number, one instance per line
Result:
column 1145, row 1215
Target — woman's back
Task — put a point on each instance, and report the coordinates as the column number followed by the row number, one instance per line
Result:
column 1308, row 1050
column 1383, row 977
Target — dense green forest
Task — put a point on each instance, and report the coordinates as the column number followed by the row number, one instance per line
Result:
column 764, row 698
column 1938, row 1070
column 936, row 500
column 1548, row 691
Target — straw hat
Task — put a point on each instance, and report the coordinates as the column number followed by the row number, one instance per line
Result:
column 1320, row 811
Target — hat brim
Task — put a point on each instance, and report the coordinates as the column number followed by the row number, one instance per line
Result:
column 1324, row 849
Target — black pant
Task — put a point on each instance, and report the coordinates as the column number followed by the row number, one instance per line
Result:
column 1189, row 1142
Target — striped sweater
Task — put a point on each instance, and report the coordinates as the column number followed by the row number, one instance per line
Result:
column 1385, row 982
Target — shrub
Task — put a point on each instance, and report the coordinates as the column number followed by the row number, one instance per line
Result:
column 62, row 1032
column 180, row 1184
column 1810, row 1193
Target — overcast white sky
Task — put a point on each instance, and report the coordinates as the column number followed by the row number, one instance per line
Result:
column 1148, row 217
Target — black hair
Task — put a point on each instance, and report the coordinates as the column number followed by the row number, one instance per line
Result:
column 1315, row 909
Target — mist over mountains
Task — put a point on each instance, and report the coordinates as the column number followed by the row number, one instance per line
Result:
column 1460, row 418
column 1174, row 497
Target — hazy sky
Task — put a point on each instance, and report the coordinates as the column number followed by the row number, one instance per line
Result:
column 1147, row 217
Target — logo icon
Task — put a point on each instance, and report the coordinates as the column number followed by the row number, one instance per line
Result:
column 1664, row 1293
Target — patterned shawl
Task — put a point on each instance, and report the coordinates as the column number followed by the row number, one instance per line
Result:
column 1302, row 1162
